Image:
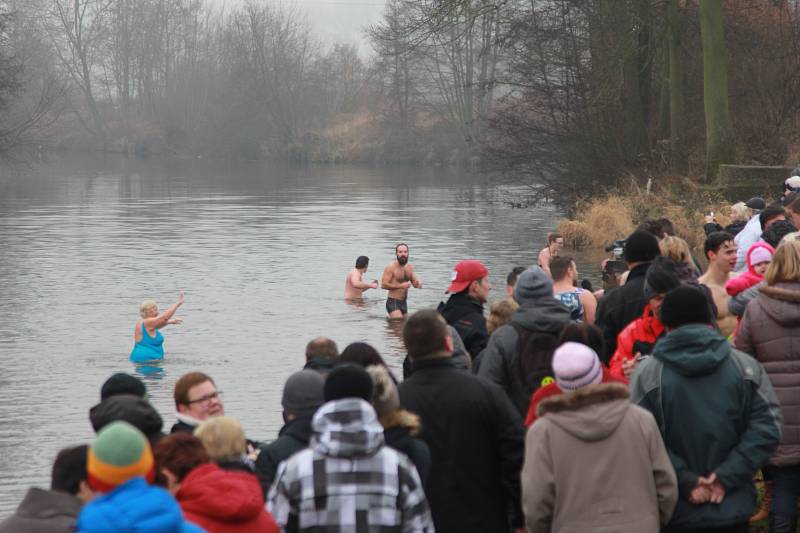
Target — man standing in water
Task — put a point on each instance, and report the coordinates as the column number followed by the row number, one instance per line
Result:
column 555, row 241
column 354, row 285
column 397, row 278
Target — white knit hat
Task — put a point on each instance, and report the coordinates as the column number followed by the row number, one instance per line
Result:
column 576, row 365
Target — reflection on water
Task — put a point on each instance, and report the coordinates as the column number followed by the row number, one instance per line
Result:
column 261, row 253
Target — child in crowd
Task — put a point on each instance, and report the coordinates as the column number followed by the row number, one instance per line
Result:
column 759, row 256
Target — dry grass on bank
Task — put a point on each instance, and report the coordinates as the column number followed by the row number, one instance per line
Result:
column 616, row 214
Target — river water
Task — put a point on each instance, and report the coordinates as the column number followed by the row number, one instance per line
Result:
column 261, row 252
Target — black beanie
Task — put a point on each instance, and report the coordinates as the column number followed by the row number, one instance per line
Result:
column 122, row 383
column 685, row 305
column 661, row 277
column 348, row 381
column 641, row 246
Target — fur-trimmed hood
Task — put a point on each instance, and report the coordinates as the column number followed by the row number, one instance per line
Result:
column 780, row 301
column 590, row 413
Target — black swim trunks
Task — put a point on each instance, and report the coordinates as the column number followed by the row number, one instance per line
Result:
column 396, row 305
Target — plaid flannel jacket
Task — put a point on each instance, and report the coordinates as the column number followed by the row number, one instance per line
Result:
column 347, row 480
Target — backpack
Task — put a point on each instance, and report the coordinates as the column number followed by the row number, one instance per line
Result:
column 531, row 365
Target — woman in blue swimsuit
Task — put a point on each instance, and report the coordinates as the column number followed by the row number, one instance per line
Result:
column 149, row 341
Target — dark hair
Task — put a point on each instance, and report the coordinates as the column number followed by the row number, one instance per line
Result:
column 180, row 453
column 424, row 333
column 559, row 266
column 770, row 212
column 792, row 202
column 69, row 469
column 186, row 382
column 665, row 225
column 122, row 383
column 584, row 333
column 321, row 348
column 715, row 240
column 362, row 354
column 651, row 226
column 399, row 245
column 362, row 261
column 511, row 279
column 553, row 237
column 685, row 305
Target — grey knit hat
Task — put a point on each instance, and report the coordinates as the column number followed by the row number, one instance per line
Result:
column 302, row 393
column 532, row 285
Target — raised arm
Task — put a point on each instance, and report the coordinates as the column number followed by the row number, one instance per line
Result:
column 358, row 283
column 165, row 318
column 388, row 284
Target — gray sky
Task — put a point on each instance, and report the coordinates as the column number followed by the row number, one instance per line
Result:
column 335, row 20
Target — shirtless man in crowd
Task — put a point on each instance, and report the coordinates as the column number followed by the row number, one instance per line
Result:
column 354, row 285
column 397, row 278
column 720, row 250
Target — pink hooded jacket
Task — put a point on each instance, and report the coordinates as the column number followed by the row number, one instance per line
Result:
column 749, row 278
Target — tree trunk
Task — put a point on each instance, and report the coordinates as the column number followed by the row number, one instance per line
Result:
column 720, row 140
column 676, row 23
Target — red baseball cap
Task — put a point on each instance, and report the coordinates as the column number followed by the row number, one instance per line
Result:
column 465, row 273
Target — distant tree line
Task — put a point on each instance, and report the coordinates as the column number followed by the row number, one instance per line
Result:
column 567, row 94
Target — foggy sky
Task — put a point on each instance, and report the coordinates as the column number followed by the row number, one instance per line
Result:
column 333, row 20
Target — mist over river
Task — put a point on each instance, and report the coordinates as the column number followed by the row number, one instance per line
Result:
column 261, row 251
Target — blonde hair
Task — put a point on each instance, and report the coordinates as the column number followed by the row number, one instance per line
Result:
column 146, row 306
column 739, row 211
column 500, row 313
column 785, row 265
column 222, row 437
column 676, row 249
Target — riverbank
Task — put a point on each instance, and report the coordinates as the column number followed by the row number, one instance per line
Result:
column 615, row 214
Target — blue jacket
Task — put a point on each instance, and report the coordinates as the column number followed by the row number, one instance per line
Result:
column 134, row 507
column 717, row 412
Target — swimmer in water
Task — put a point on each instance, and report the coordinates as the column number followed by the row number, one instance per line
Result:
column 354, row 285
column 149, row 343
column 397, row 278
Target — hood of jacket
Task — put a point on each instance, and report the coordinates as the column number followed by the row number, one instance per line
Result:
column 346, row 428
column 44, row 504
column 759, row 244
column 547, row 315
column 222, row 495
column 590, row 413
column 693, row 349
column 146, row 508
column 458, row 306
column 132, row 409
column 779, row 302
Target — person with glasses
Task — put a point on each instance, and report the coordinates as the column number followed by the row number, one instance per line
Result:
column 196, row 399
column 555, row 242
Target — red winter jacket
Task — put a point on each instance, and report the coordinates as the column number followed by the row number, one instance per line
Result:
column 749, row 278
column 646, row 329
column 224, row 501
column 552, row 389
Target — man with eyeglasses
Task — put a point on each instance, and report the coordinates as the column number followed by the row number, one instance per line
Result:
column 196, row 399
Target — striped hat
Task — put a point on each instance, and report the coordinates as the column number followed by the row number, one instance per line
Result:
column 119, row 453
column 576, row 365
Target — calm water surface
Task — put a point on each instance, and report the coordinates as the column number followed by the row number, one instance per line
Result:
column 261, row 252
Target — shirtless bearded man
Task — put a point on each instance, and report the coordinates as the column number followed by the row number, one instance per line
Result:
column 397, row 278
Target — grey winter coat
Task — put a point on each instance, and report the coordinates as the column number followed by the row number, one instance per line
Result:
column 43, row 511
column 770, row 331
column 498, row 360
column 596, row 462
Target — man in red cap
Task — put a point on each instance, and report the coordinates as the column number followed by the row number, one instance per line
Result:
column 469, row 291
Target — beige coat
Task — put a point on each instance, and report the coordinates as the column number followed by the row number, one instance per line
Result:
column 594, row 462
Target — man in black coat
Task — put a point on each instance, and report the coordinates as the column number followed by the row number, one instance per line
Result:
column 622, row 305
column 469, row 291
column 474, row 433
column 302, row 395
